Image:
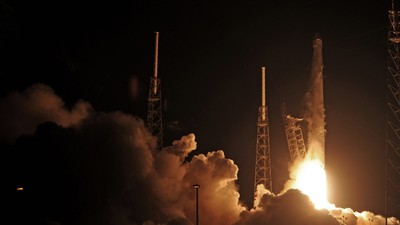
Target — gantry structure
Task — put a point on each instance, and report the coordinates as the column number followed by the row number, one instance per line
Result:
column 294, row 135
column 392, row 190
column 154, row 110
column 263, row 153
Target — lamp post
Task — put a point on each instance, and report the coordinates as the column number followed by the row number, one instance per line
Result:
column 197, row 186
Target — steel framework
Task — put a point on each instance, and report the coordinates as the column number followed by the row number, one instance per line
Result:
column 294, row 135
column 392, row 193
column 154, row 110
column 263, row 153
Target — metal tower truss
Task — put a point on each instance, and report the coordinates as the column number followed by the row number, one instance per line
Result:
column 154, row 111
column 263, row 153
column 392, row 195
column 294, row 135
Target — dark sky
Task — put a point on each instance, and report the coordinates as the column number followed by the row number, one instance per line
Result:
column 210, row 59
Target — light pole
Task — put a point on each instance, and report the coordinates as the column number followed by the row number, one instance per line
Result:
column 197, row 186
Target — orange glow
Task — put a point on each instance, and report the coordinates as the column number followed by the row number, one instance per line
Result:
column 311, row 180
column 20, row 188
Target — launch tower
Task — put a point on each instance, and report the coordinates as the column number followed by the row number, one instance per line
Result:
column 154, row 110
column 263, row 154
column 294, row 135
column 392, row 193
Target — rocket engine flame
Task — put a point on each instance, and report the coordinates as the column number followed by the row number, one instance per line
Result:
column 311, row 180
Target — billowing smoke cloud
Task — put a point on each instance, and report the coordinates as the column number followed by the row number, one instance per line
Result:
column 291, row 207
column 21, row 113
column 349, row 217
column 295, row 208
column 107, row 171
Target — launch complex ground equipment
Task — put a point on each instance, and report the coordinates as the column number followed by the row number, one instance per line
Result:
column 263, row 153
column 294, row 135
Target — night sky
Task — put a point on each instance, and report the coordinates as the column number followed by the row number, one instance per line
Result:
column 210, row 58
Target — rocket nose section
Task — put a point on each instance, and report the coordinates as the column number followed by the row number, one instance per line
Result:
column 317, row 36
column 317, row 42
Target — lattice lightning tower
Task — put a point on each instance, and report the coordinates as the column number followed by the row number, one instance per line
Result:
column 263, row 154
column 392, row 193
column 154, row 110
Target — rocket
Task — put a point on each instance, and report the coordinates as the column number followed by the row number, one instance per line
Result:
column 317, row 64
column 315, row 112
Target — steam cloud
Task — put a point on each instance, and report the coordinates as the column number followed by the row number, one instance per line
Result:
column 292, row 207
column 87, row 167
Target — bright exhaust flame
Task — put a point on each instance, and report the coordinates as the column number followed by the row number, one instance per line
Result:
column 311, row 180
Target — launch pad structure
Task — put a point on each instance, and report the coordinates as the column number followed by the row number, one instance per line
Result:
column 263, row 153
column 154, row 110
column 294, row 135
column 392, row 187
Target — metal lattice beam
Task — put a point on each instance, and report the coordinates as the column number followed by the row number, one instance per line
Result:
column 263, row 153
column 154, row 110
column 294, row 135
column 392, row 206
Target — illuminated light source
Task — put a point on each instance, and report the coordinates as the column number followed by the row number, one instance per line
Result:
column 311, row 180
column 20, row 188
